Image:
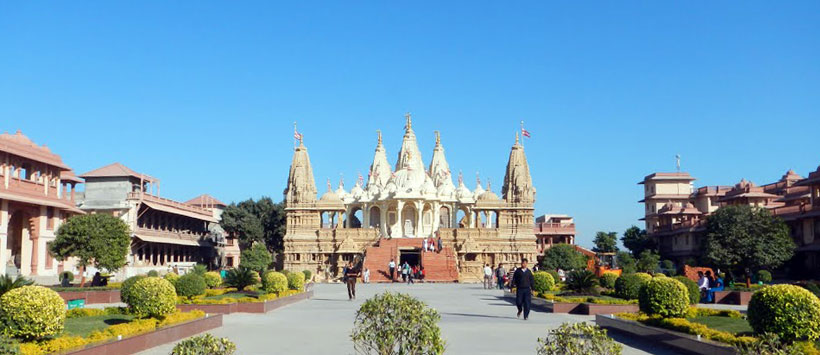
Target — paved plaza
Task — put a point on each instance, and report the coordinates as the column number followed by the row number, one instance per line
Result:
column 473, row 321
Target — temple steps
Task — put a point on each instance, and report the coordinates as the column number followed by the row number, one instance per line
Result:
column 438, row 266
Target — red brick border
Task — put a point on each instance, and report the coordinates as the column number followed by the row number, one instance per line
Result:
column 149, row 340
column 252, row 307
column 733, row 297
column 92, row 297
column 589, row 309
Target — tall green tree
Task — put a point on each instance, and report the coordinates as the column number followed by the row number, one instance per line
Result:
column 648, row 261
column 626, row 262
column 747, row 238
column 256, row 221
column 563, row 256
column 256, row 258
column 605, row 242
column 100, row 240
column 636, row 240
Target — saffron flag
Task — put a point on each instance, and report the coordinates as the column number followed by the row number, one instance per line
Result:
column 525, row 133
column 297, row 135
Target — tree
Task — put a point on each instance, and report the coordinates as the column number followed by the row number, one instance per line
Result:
column 626, row 262
column 605, row 242
column 636, row 240
column 256, row 221
column 396, row 323
column 563, row 256
column 100, row 240
column 746, row 238
column 648, row 261
column 257, row 258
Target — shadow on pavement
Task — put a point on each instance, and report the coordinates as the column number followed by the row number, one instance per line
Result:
column 476, row 315
column 631, row 341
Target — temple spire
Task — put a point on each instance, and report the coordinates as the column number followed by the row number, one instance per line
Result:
column 409, row 156
column 517, row 180
column 408, row 126
column 439, row 168
column 380, row 171
column 301, row 186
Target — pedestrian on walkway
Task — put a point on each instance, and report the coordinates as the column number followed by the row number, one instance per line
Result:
column 488, row 277
column 432, row 244
column 424, row 245
column 404, row 270
column 392, row 266
column 351, row 274
column 523, row 281
column 366, row 276
column 499, row 276
column 438, row 241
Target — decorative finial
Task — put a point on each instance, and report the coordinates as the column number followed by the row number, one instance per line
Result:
column 488, row 184
column 342, row 181
column 360, row 180
column 477, row 179
column 438, row 138
column 329, row 188
column 460, row 178
column 516, row 137
column 409, row 125
column 379, row 134
column 677, row 161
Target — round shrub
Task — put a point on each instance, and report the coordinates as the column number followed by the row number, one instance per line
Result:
column 172, row 277
column 791, row 312
column 665, row 297
column 396, row 323
column 212, row 279
column 554, row 275
column 32, row 312
column 607, row 279
column 125, row 288
column 152, row 297
column 692, row 287
column 764, row 276
column 274, row 282
column 659, row 275
column 205, row 344
column 153, row 273
column 543, row 281
column 296, row 281
column 628, row 286
column 190, row 285
column 308, row 275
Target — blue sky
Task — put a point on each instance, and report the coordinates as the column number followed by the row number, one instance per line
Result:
column 203, row 95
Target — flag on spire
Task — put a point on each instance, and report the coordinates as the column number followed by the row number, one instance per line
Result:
column 525, row 133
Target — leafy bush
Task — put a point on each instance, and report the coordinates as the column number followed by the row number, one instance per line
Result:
column 308, row 275
column 212, row 279
column 153, row 273
column 396, row 323
column 190, row 285
column 152, row 297
column 627, row 286
column 240, row 278
column 199, row 269
column 543, row 281
column 578, row 339
column 274, row 282
column 205, row 344
column 32, row 312
column 668, row 267
column 692, row 287
column 8, row 346
column 665, row 297
column 172, row 277
column 554, row 275
column 296, row 281
column 581, row 280
column 688, row 327
column 7, row 283
column 813, row 287
column 563, row 256
column 125, row 288
column 791, row 312
column 764, row 276
column 607, row 279
column 257, row 258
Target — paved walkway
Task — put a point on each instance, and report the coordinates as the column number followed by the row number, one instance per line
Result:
column 473, row 321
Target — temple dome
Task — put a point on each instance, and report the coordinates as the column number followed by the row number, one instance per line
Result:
column 330, row 196
column 408, row 180
column 356, row 192
column 463, row 193
column 488, row 196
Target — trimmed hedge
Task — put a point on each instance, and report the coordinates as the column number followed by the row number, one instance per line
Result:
column 205, row 344
column 125, row 288
column 274, row 282
column 172, row 277
column 764, row 276
column 153, row 273
column 665, row 297
column 152, row 297
column 628, row 286
column 190, row 285
column 32, row 312
column 791, row 312
column 692, row 287
column 212, row 279
column 543, row 281
column 296, row 281
column 607, row 279
column 308, row 275
column 554, row 275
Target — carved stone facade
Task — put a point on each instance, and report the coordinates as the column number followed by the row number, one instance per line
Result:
column 410, row 201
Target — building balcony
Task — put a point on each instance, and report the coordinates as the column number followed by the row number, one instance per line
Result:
column 34, row 190
column 167, row 202
column 554, row 229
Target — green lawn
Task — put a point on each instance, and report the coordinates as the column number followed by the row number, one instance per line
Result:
column 85, row 325
column 738, row 326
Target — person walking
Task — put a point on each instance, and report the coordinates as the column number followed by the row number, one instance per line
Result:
column 499, row 276
column 424, row 245
column 366, row 276
column 404, row 270
column 351, row 274
column 438, row 241
column 488, row 277
column 523, row 281
column 392, row 267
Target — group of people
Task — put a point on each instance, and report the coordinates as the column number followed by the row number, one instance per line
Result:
column 408, row 273
column 428, row 244
column 522, row 280
column 501, row 276
column 708, row 284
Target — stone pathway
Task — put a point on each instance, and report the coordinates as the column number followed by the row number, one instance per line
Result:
column 473, row 321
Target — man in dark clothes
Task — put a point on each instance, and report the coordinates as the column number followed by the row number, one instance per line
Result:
column 523, row 281
column 351, row 273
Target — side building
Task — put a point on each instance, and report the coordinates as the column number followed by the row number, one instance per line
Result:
column 167, row 235
column 551, row 229
column 36, row 196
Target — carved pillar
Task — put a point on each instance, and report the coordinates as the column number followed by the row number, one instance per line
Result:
column 419, row 210
column 399, row 220
column 383, row 219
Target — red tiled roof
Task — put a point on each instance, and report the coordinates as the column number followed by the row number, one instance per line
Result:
column 116, row 170
column 20, row 145
column 205, row 200
column 68, row 175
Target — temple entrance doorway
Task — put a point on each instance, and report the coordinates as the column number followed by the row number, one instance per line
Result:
column 18, row 229
column 411, row 256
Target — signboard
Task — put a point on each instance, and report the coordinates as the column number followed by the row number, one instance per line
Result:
column 79, row 303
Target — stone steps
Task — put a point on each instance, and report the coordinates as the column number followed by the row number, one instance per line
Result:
column 438, row 266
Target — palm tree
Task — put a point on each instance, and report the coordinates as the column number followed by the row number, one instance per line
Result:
column 240, row 278
column 7, row 283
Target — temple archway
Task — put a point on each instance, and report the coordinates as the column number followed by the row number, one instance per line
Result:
column 19, row 230
column 445, row 220
column 408, row 220
column 427, row 220
column 375, row 217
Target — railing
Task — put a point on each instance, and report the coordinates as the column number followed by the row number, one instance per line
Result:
column 554, row 228
column 34, row 189
column 182, row 234
column 151, row 198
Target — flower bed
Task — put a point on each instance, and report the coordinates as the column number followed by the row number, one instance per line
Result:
column 587, row 305
column 226, row 305
column 685, row 343
column 91, row 338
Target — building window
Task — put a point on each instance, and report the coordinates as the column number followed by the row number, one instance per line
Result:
column 229, row 261
column 49, row 218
